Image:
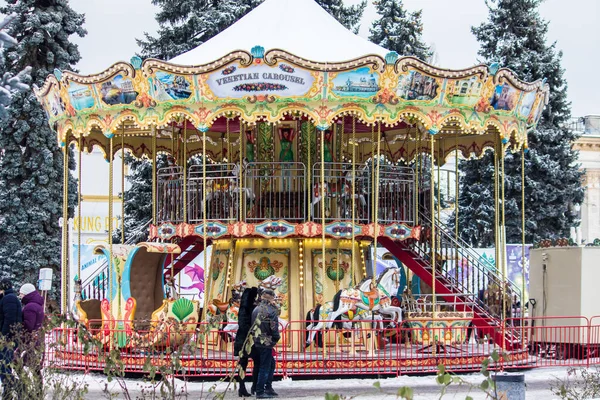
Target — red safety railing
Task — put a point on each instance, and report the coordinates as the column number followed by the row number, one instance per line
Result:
column 349, row 348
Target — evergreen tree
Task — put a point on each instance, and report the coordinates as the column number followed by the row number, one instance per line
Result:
column 398, row 30
column 31, row 168
column 515, row 36
column 10, row 83
column 138, row 199
column 349, row 16
column 186, row 24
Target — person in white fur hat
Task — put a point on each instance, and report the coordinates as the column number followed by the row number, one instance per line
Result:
column 33, row 319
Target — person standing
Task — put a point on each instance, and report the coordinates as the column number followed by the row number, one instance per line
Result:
column 10, row 320
column 33, row 319
column 244, row 324
column 268, row 323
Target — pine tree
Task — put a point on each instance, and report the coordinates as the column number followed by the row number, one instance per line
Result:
column 398, row 30
column 138, row 199
column 31, row 168
column 186, row 24
column 349, row 16
column 515, row 36
column 10, row 83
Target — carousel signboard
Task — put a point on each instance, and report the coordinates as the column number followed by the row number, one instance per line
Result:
column 399, row 231
column 213, row 229
column 275, row 229
column 235, row 81
column 342, row 229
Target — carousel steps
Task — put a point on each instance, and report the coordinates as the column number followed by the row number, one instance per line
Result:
column 191, row 247
column 483, row 319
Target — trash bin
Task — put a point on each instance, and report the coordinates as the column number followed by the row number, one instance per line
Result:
column 510, row 386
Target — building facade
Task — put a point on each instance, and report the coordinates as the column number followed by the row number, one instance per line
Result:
column 588, row 146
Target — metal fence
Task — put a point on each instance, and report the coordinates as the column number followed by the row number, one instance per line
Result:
column 352, row 347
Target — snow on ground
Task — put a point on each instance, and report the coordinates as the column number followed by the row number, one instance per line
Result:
column 538, row 383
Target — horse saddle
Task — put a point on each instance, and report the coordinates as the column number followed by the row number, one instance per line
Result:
column 221, row 305
column 371, row 298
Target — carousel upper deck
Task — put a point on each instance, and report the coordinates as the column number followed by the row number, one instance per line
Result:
column 288, row 191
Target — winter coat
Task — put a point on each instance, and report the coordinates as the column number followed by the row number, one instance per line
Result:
column 33, row 311
column 269, row 325
column 244, row 318
column 10, row 313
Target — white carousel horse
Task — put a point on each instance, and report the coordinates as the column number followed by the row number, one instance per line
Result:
column 364, row 301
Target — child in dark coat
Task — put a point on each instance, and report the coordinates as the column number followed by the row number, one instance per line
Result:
column 10, row 320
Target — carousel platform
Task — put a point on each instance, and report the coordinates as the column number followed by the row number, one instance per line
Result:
column 393, row 360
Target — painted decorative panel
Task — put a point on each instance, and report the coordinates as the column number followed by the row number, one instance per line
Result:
column 259, row 264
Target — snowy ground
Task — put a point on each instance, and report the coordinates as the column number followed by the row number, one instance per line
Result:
column 538, row 383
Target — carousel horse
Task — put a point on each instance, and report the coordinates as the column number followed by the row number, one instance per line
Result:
column 345, row 198
column 365, row 301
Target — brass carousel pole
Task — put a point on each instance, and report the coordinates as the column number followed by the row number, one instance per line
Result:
column 204, row 238
column 110, row 227
column 230, row 258
column 79, row 194
column 65, row 231
column 323, row 223
column 433, row 241
column 373, row 148
column 417, row 165
column 228, row 136
column 241, row 170
column 456, row 182
column 185, row 177
column 123, row 185
column 154, row 199
column 353, row 191
column 496, row 205
column 184, row 186
column 503, row 240
column 439, row 196
column 376, row 205
column 308, row 172
column 523, row 283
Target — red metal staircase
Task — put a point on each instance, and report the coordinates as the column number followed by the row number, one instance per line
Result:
column 468, row 282
column 191, row 247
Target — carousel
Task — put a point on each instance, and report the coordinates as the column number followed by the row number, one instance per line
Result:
column 295, row 155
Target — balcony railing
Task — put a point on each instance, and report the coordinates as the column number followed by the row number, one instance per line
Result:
column 274, row 191
column 220, row 191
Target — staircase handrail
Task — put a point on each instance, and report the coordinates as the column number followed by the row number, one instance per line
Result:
column 477, row 262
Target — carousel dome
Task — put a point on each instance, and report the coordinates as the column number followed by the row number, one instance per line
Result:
column 301, row 27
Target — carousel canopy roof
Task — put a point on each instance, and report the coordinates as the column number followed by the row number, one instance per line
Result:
column 267, row 69
column 300, row 27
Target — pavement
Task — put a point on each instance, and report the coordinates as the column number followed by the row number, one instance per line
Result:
column 538, row 387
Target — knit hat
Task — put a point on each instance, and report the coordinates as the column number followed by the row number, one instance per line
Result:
column 26, row 289
column 268, row 294
column 5, row 284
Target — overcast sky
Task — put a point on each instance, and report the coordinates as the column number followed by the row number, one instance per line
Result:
column 113, row 26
